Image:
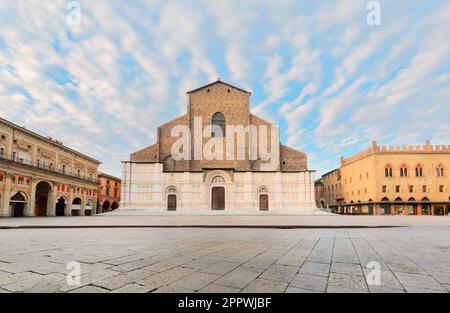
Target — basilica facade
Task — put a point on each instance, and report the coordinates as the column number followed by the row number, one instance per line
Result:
column 218, row 158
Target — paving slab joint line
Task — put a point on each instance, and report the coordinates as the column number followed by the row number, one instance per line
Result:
column 201, row 226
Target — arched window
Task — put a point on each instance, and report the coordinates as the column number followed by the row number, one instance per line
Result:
column 218, row 125
column 218, row 180
column 403, row 171
column 388, row 171
column 419, row 170
column 440, row 171
column 263, row 190
column 171, row 190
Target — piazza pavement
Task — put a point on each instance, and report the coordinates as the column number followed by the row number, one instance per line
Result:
column 118, row 254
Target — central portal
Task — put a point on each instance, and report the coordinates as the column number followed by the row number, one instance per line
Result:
column 218, row 198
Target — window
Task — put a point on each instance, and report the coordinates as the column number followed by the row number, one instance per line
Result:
column 411, row 188
column 440, row 171
column 218, row 180
column 424, row 188
column 397, row 188
column 388, row 171
column 419, row 170
column 2, row 152
column 441, row 188
column 218, row 125
column 63, row 169
column 79, row 173
column 403, row 171
column 38, row 163
column 14, row 155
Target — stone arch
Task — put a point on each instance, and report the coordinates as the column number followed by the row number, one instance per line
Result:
column 18, row 203
column 106, row 206
column 89, row 208
column 76, row 206
column 114, row 205
column 61, row 204
column 43, row 198
column 227, row 178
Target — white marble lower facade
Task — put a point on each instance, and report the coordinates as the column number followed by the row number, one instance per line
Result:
column 145, row 187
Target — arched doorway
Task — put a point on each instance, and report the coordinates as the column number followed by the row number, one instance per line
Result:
column 171, row 198
column 412, row 207
column 114, row 206
column 263, row 202
column 218, row 198
column 61, row 206
column 105, row 206
column 370, row 209
column 385, row 206
column 17, row 204
column 398, row 207
column 76, row 207
column 263, row 199
column 171, row 202
column 426, row 207
column 43, row 193
column 89, row 207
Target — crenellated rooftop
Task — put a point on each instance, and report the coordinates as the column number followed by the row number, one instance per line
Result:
column 374, row 149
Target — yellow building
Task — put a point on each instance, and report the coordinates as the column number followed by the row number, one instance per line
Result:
column 408, row 180
column 40, row 176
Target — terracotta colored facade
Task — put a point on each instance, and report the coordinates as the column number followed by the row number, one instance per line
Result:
column 401, row 180
column 39, row 176
column 108, row 192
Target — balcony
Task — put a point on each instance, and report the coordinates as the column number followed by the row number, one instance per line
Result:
column 44, row 167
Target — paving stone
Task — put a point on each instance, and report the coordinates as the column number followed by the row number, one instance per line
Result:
column 89, row 289
column 239, row 277
column 312, row 282
column 165, row 278
column 442, row 277
column 34, row 281
column 381, row 289
column 346, row 268
column 301, row 290
column 221, row 267
column 215, row 288
column 291, row 260
column 347, row 281
column 343, row 289
column 280, row 273
column 89, row 278
column 265, row 286
column 9, row 279
column 133, row 288
column 118, row 281
column 409, row 280
column 313, row 268
column 195, row 281
column 172, row 289
column 131, row 266
column 167, row 264
column 406, row 268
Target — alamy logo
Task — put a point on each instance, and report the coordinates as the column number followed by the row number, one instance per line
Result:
column 374, row 15
column 74, row 13
column 373, row 278
column 239, row 141
column 73, row 278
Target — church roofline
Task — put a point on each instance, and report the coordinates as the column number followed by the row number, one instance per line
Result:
column 215, row 82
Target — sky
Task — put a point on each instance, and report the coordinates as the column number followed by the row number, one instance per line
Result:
column 101, row 81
